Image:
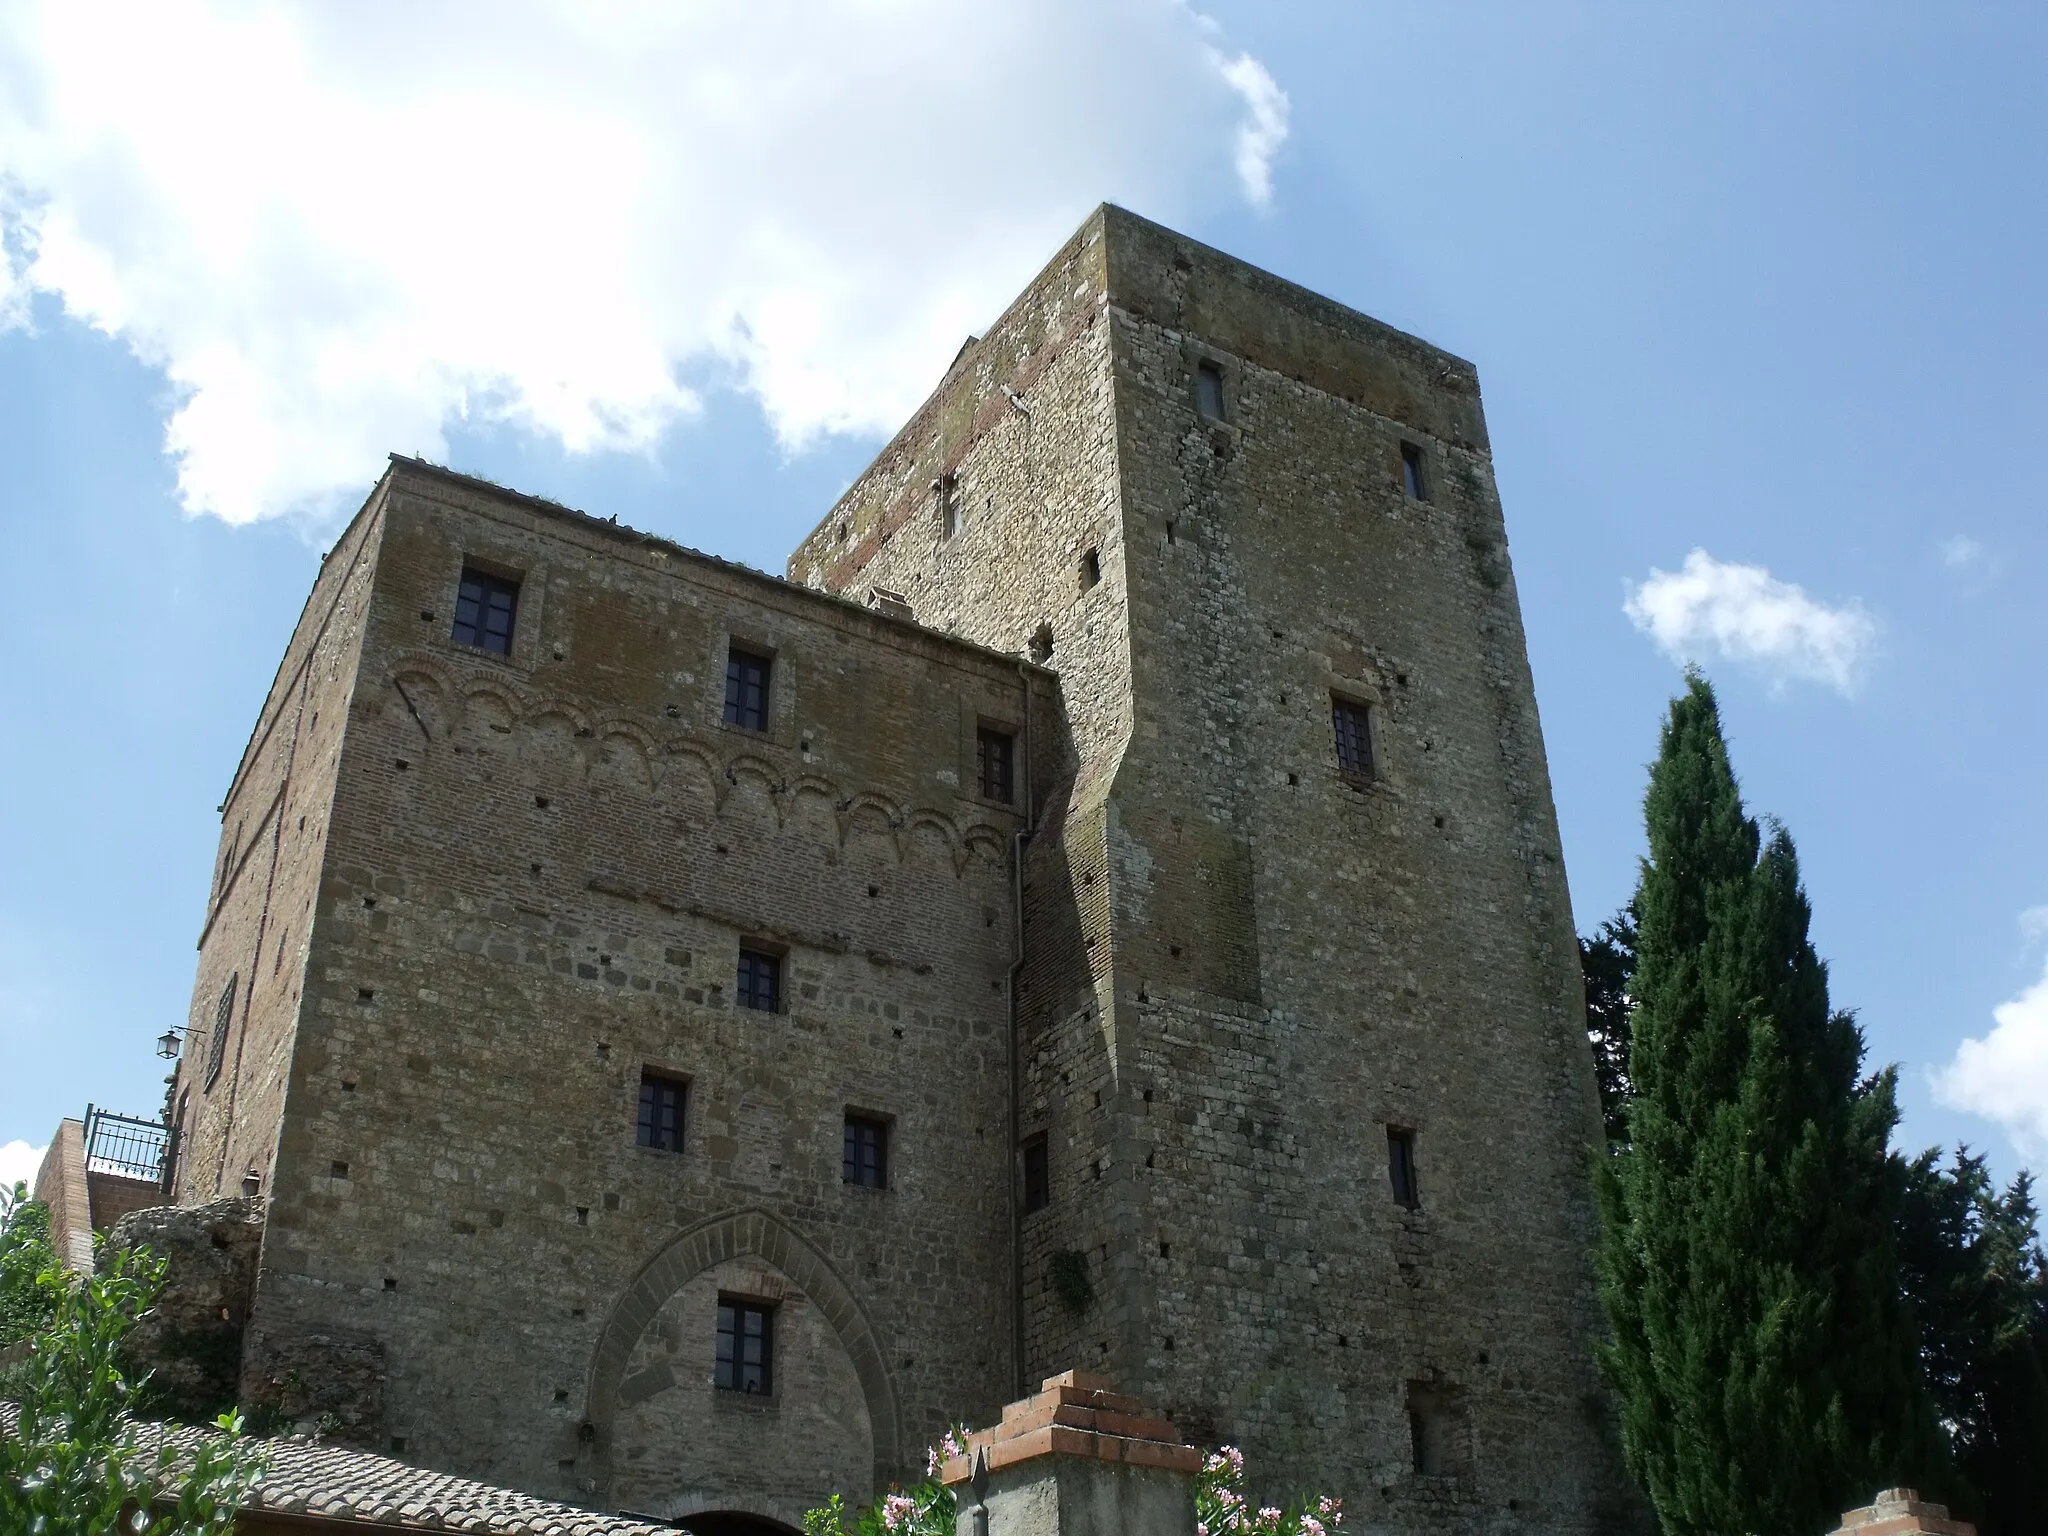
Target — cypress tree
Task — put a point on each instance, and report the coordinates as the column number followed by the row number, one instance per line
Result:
column 1761, row 1351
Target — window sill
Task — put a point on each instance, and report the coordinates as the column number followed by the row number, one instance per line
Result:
column 730, row 1400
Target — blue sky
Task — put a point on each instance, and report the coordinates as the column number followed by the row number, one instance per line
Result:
column 1756, row 284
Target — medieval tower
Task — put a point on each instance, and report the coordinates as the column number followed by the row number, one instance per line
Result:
column 694, row 1034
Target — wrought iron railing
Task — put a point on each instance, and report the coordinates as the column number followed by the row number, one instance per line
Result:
column 124, row 1145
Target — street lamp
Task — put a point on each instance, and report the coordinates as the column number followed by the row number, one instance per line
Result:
column 167, row 1043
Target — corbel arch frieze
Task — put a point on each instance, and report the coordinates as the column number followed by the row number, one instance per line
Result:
column 870, row 810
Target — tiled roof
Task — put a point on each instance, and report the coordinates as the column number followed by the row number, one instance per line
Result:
column 304, row 1477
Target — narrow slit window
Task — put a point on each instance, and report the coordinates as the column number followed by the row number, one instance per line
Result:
column 1351, row 723
column 952, row 509
column 485, row 607
column 865, row 1158
column 1401, row 1167
column 746, row 689
column 746, row 1347
column 1091, row 570
column 1209, row 391
column 661, row 1112
column 1411, row 472
column 995, row 754
column 760, row 981
column 1037, row 1174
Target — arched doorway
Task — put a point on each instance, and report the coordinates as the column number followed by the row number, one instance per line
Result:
column 733, row 1522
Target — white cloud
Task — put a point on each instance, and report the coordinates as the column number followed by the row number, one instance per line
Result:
column 1264, row 128
column 2034, row 926
column 337, row 229
column 2004, row 1075
column 1746, row 614
column 18, row 1164
column 1961, row 551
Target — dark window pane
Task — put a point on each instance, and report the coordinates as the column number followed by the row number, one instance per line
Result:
column 1209, row 391
column 993, row 749
column 865, row 1160
column 746, row 1347
column 760, row 981
column 746, row 690
column 217, row 1042
column 1401, row 1167
column 1353, row 728
column 1037, row 1175
column 661, row 1113
column 1411, row 472
column 484, row 610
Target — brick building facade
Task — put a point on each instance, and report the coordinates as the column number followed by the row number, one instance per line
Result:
column 700, row 1032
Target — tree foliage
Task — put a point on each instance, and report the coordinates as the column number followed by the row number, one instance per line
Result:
column 1761, row 1349
column 1973, row 1266
column 1608, row 960
column 25, row 1253
column 77, row 1461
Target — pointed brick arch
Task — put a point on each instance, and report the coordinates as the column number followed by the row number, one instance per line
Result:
column 739, row 1234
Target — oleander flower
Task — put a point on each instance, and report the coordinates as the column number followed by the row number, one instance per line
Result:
column 898, row 1511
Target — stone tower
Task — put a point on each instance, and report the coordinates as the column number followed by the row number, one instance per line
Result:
column 1300, row 1019
column 1120, row 926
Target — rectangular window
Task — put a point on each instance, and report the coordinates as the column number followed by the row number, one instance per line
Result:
column 484, row 609
column 994, row 757
column 1401, row 1167
column 746, row 1347
column 746, row 689
column 760, row 981
column 1411, row 472
column 866, row 1158
column 1432, row 1430
column 1037, row 1175
column 1352, row 723
column 1209, row 391
column 952, row 510
column 661, row 1112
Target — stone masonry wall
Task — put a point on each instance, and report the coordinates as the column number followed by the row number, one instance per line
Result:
column 469, row 899
column 1024, row 427
column 540, row 870
column 1284, row 962
column 228, row 1095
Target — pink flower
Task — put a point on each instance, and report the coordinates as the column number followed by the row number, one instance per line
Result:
column 898, row 1511
column 1311, row 1526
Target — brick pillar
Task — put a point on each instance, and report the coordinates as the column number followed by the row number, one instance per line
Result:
column 1077, row 1459
column 1899, row 1512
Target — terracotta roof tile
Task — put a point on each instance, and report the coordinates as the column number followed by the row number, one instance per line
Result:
column 306, row 1477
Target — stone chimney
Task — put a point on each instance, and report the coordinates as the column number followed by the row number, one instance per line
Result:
column 1898, row 1512
column 1077, row 1459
